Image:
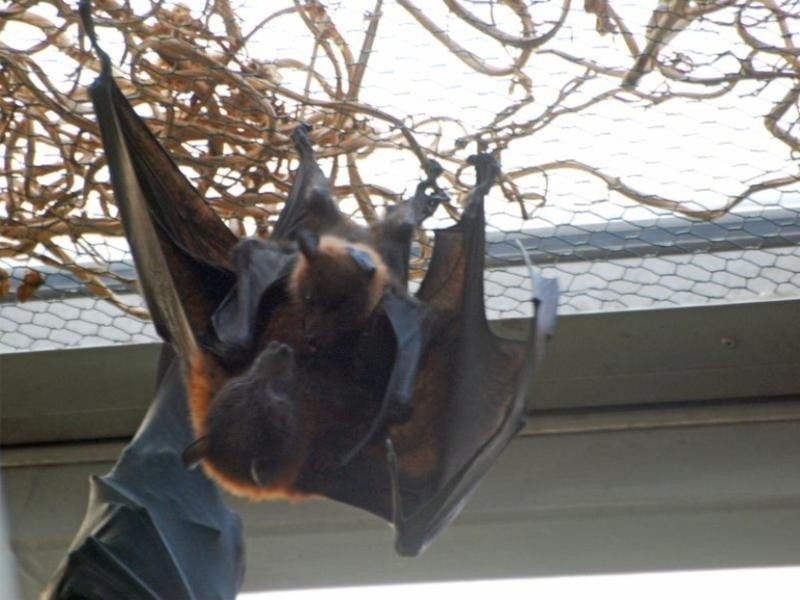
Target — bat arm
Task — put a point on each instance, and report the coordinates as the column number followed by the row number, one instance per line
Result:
column 473, row 225
column 394, row 482
column 404, row 543
column 406, row 318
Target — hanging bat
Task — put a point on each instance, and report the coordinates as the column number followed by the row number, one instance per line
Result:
column 147, row 517
column 301, row 386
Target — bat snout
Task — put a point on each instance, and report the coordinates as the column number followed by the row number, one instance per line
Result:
column 278, row 351
column 279, row 348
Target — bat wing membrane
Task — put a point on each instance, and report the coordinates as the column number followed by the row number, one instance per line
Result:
column 310, row 204
column 469, row 390
column 179, row 244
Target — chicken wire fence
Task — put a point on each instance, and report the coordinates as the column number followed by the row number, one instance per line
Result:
column 648, row 149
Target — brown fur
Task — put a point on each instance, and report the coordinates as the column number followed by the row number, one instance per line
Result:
column 340, row 391
column 205, row 379
column 418, row 441
column 332, row 293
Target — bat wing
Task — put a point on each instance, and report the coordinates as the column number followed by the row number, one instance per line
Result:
column 394, row 234
column 483, row 408
column 261, row 269
column 150, row 501
column 180, row 246
column 469, row 391
column 310, row 204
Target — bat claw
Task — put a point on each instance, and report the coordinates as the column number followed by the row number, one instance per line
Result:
column 257, row 473
column 85, row 12
column 428, row 195
column 433, row 169
column 488, row 169
column 302, row 141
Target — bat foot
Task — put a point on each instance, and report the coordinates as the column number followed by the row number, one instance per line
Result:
column 302, row 141
column 488, row 169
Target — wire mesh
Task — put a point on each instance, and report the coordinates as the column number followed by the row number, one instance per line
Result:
column 649, row 150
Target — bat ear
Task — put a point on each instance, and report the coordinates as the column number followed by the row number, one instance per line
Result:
column 308, row 242
column 363, row 260
column 195, row 452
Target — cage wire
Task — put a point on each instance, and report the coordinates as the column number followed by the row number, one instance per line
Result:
column 648, row 149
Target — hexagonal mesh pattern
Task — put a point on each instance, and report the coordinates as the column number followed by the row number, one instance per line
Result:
column 649, row 158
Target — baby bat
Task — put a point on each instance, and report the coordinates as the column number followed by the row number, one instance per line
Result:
column 251, row 430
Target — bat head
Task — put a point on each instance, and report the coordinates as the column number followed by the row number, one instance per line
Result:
column 251, row 428
column 337, row 284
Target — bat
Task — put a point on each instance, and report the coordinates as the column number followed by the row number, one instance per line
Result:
column 310, row 370
column 147, row 518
